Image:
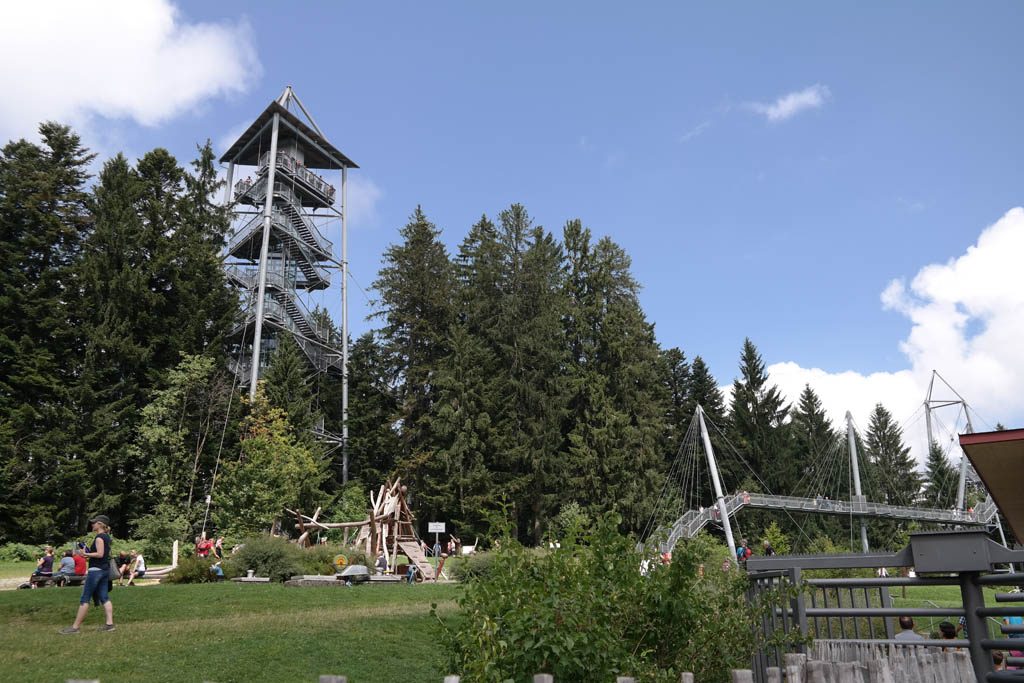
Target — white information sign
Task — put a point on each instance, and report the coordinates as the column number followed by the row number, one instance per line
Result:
column 435, row 527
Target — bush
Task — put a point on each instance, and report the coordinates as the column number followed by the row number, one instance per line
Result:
column 319, row 559
column 471, row 567
column 584, row 612
column 269, row 556
column 20, row 552
column 356, row 556
column 191, row 570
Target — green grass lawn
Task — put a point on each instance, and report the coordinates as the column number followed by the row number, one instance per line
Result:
column 16, row 570
column 228, row 632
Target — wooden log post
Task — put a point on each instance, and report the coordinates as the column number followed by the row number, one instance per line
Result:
column 686, row 677
column 543, row 678
column 742, row 676
column 773, row 674
column 625, row 679
column 333, row 679
column 451, row 679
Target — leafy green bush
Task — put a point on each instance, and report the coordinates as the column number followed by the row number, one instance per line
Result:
column 269, row 556
column 160, row 529
column 20, row 552
column 319, row 560
column 475, row 566
column 584, row 612
column 191, row 570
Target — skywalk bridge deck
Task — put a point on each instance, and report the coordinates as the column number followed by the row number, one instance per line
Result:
column 692, row 521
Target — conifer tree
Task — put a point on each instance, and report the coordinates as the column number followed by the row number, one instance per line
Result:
column 940, row 479
column 893, row 476
column 43, row 217
column 287, row 383
column 680, row 401
column 374, row 441
column 415, row 287
column 618, row 397
column 528, row 340
column 758, row 421
column 704, row 392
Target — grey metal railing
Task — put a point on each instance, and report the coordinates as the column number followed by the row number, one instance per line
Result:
column 954, row 558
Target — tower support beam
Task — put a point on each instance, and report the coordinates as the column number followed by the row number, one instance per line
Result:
column 858, row 495
column 717, row 483
column 261, row 286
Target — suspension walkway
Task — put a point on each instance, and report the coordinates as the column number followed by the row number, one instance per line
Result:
column 692, row 521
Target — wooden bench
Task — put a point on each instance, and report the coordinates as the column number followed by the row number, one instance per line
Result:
column 41, row 580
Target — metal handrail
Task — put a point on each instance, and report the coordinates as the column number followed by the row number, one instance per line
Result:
column 258, row 192
column 290, row 164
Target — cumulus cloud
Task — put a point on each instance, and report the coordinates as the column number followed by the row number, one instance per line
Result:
column 966, row 321
column 138, row 60
column 363, row 196
column 789, row 105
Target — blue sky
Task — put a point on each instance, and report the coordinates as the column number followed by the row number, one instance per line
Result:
column 652, row 124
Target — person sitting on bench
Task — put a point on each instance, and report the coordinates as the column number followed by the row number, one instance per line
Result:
column 124, row 567
column 44, row 566
column 67, row 564
column 81, row 564
column 138, row 570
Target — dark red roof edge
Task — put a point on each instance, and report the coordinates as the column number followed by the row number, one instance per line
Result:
column 991, row 437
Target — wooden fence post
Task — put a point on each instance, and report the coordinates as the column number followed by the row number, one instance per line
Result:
column 333, row 679
column 742, row 676
column 543, row 678
column 686, row 677
column 625, row 679
column 451, row 679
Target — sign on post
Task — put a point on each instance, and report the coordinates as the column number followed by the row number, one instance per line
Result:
column 436, row 528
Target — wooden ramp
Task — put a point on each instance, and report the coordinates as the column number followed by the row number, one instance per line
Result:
column 415, row 554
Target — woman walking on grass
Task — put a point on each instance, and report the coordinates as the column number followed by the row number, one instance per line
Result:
column 97, row 577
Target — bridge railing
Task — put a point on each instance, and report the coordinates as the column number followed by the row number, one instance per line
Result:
column 857, row 628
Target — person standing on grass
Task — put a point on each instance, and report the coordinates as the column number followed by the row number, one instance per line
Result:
column 96, row 578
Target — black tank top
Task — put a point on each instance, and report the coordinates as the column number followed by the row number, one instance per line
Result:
column 100, row 562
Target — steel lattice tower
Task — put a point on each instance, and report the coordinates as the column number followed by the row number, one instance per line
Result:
column 278, row 254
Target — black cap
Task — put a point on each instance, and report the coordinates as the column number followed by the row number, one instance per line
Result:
column 100, row 518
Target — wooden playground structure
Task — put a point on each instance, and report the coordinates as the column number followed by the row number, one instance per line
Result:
column 389, row 527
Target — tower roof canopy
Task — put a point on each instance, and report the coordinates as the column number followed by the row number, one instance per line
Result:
column 998, row 457
column 319, row 153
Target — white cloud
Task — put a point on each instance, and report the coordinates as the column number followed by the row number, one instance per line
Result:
column 363, row 197
column 967, row 322
column 791, row 104
column 138, row 60
column 695, row 131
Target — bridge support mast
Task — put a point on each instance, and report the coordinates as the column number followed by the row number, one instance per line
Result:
column 717, row 483
column 858, row 496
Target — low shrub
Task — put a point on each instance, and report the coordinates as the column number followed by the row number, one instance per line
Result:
column 584, row 612
column 269, row 556
column 20, row 552
column 191, row 570
column 356, row 556
column 319, row 559
column 471, row 567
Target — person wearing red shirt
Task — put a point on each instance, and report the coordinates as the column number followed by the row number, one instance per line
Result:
column 80, row 563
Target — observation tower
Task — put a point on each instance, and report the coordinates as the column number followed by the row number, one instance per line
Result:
column 278, row 254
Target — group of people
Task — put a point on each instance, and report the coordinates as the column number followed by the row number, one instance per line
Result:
column 206, row 547
column 744, row 551
column 130, row 566
column 72, row 563
column 950, row 631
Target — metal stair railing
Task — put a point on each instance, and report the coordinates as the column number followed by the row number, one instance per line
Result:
column 316, row 276
column 290, row 165
column 297, row 225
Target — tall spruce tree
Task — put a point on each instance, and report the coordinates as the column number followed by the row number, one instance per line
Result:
column 374, row 441
column 680, row 400
column 822, row 460
column 288, row 386
column 893, row 476
column 618, row 398
column 758, row 421
column 415, row 287
column 940, row 479
column 528, row 340
column 43, row 216
column 704, row 392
